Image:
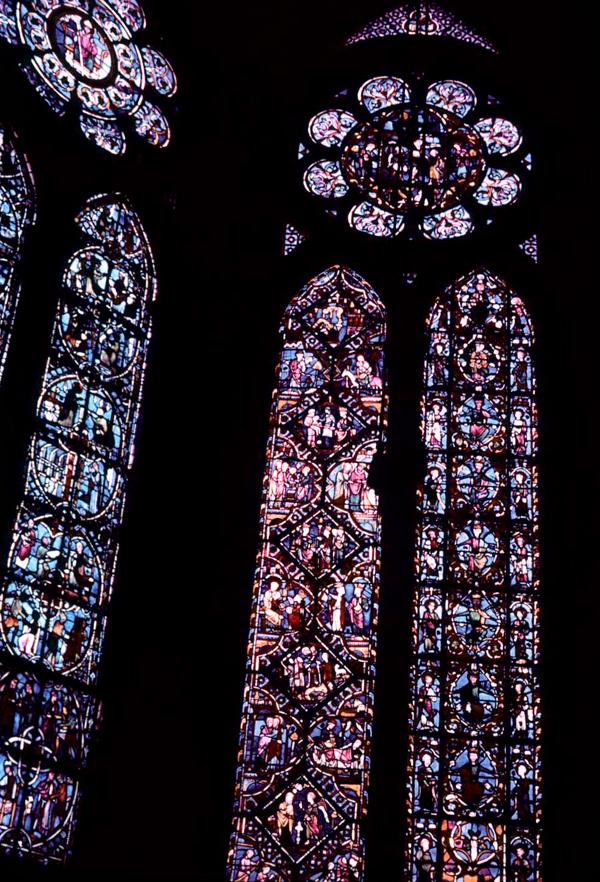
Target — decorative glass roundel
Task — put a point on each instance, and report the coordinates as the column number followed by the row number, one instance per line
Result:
column 84, row 51
column 420, row 161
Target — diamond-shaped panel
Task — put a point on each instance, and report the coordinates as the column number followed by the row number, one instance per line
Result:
column 309, row 672
column 319, row 544
column 300, row 818
column 327, row 426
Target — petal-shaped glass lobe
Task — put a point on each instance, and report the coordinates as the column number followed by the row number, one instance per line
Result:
column 55, row 74
column 324, row 178
column 368, row 218
column 380, row 92
column 448, row 224
column 103, row 133
column 159, row 72
column 151, row 123
column 124, row 97
column 131, row 12
column 96, row 102
column 130, row 64
column 8, row 26
column 452, row 95
column 39, row 83
column 499, row 187
column 500, row 135
column 34, row 31
column 113, row 27
column 330, row 127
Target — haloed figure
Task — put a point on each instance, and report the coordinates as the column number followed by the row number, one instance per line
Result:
column 430, row 622
column 521, row 866
column 424, row 861
column 472, row 783
column 427, row 700
column 427, row 783
column 433, row 489
column 522, row 795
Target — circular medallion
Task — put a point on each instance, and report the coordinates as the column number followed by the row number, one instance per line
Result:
column 411, row 157
column 82, row 45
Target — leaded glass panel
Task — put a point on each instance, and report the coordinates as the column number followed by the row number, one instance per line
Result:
column 303, row 773
column 61, row 562
column 474, row 768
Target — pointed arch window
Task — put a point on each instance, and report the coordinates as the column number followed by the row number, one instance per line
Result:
column 303, row 771
column 17, row 212
column 60, row 569
column 403, row 156
column 474, row 770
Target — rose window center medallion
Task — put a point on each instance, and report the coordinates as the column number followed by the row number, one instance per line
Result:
column 82, row 45
column 412, row 157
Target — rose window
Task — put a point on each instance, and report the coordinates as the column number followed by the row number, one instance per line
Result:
column 396, row 162
column 84, row 52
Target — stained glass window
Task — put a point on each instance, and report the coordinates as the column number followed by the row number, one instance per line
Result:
column 61, row 563
column 301, row 789
column 530, row 247
column 86, row 52
column 474, row 765
column 292, row 238
column 17, row 211
column 423, row 19
column 428, row 158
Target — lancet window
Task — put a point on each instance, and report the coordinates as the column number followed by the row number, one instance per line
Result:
column 303, row 773
column 17, row 212
column 474, row 763
column 61, row 564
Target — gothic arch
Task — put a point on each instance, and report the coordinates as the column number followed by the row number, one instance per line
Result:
column 17, row 213
column 474, row 767
column 303, row 770
column 61, row 563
